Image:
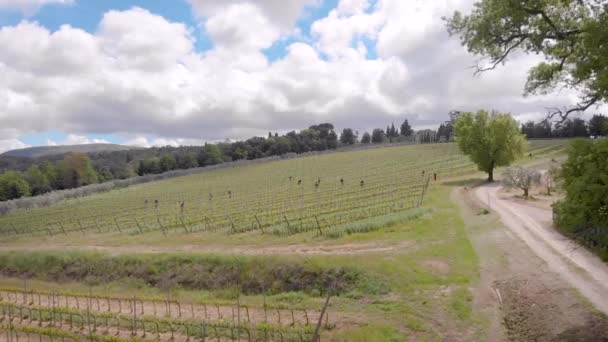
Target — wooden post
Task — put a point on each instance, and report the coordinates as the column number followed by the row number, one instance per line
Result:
column 259, row 224
column 315, row 336
column 288, row 225
column 318, row 225
column 117, row 226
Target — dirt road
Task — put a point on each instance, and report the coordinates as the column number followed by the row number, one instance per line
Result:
column 581, row 269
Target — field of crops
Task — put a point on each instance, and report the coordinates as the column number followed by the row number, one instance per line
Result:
column 319, row 193
column 312, row 201
column 80, row 316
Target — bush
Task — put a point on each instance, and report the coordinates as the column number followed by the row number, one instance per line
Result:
column 583, row 213
column 249, row 276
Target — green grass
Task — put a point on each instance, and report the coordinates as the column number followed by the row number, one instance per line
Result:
column 418, row 288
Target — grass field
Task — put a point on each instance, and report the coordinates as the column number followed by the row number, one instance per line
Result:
column 252, row 253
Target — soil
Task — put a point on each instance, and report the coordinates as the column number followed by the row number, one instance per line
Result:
column 302, row 249
column 521, row 296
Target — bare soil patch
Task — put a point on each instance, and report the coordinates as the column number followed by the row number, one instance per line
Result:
column 521, row 298
column 253, row 250
column 438, row 267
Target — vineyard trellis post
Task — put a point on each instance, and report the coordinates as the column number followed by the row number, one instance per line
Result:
column 315, row 336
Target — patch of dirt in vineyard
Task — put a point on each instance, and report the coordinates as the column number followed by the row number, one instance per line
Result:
column 302, row 249
column 438, row 267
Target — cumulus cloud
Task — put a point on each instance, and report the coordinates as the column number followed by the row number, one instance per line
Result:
column 75, row 139
column 29, row 7
column 138, row 75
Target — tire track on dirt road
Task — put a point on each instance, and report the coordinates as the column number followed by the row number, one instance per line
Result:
column 579, row 267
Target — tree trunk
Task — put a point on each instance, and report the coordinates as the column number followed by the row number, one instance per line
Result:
column 525, row 193
column 491, row 172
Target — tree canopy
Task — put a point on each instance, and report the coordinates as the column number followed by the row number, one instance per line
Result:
column 490, row 140
column 406, row 129
column 571, row 35
column 348, row 137
column 583, row 213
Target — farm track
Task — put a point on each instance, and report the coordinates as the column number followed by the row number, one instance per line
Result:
column 297, row 249
column 579, row 267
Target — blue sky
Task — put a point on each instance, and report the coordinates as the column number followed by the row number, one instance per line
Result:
column 149, row 73
column 86, row 15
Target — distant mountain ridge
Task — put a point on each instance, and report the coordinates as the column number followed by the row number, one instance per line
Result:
column 41, row 151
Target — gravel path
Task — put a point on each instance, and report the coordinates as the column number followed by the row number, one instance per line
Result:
column 580, row 268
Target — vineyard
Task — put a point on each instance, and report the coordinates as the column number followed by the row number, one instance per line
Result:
column 358, row 245
column 77, row 316
column 317, row 193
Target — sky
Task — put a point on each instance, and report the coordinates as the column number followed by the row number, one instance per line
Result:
column 182, row 72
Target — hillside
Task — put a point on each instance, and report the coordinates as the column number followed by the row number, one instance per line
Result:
column 257, row 250
column 41, row 151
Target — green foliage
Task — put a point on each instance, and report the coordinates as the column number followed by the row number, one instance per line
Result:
column 583, row 213
column 75, row 170
column 571, row 35
column 490, row 140
column 406, row 129
column 210, row 154
column 38, row 181
column 167, row 163
column 245, row 275
column 13, row 185
column 598, row 125
column 366, row 138
column 460, row 303
column 348, row 137
column 378, row 136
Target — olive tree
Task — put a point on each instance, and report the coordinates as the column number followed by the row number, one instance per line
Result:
column 521, row 178
column 570, row 35
column 489, row 139
column 550, row 177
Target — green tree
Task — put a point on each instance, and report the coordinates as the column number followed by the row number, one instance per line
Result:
column 13, row 185
column 148, row 166
column 210, row 154
column 571, row 36
column 378, row 136
column 39, row 183
column 50, row 172
column 186, row 161
column 490, row 140
column 167, row 163
column 348, row 137
column 583, row 213
column 406, row 129
column 366, row 138
column 75, row 170
column 598, row 125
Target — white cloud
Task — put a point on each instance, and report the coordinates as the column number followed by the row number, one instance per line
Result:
column 75, row 139
column 139, row 75
column 160, row 142
column 28, row 7
column 11, row 144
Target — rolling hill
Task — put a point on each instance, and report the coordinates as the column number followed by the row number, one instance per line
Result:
column 41, row 151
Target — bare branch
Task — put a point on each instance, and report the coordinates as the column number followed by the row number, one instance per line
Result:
column 496, row 61
column 565, row 112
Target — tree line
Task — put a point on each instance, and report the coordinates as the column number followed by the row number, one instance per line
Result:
column 570, row 128
column 73, row 171
column 35, row 176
